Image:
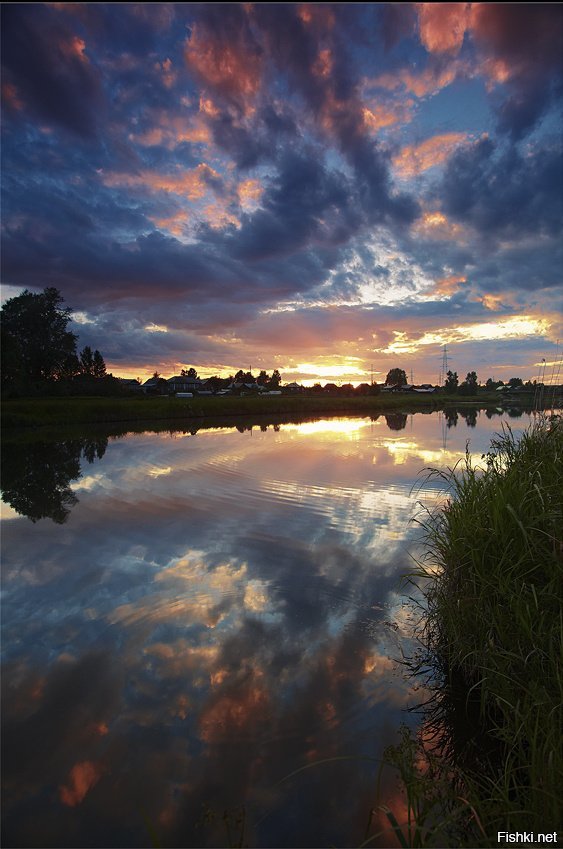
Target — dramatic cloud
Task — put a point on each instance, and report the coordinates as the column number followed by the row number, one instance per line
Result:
column 216, row 170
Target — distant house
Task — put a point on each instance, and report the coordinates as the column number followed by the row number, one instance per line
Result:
column 130, row 383
column 293, row 387
column 239, row 386
column 155, row 386
column 425, row 388
column 181, row 383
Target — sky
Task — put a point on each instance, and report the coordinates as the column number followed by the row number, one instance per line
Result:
column 332, row 190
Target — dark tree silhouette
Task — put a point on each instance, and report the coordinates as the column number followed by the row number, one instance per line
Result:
column 452, row 382
column 396, row 421
column 470, row 385
column 36, row 327
column 396, row 377
column 99, row 366
column 36, row 481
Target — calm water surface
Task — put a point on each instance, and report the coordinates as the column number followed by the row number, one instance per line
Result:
column 192, row 619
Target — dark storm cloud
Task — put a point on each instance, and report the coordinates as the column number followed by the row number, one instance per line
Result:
column 521, row 269
column 44, row 60
column 527, row 38
column 503, row 192
column 303, row 193
column 397, row 21
column 330, row 91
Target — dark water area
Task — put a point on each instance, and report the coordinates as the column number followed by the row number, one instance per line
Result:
column 201, row 631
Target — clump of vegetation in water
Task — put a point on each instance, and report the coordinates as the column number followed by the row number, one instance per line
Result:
column 492, row 635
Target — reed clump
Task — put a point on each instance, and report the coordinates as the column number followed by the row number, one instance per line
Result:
column 492, row 629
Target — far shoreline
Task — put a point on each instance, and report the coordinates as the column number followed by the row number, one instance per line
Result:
column 44, row 412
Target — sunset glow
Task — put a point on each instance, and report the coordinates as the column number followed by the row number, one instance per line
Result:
column 329, row 190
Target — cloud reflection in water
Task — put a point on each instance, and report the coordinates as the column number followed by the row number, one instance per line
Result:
column 212, row 616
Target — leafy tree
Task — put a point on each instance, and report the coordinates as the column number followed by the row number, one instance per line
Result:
column 452, row 382
column 515, row 381
column 262, row 378
column 396, row 377
column 275, row 379
column 36, row 327
column 470, row 385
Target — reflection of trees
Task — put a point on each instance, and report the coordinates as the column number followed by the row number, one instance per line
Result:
column 36, row 477
column 470, row 417
column 451, row 417
column 396, row 421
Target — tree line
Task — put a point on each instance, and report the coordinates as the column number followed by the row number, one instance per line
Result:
column 40, row 356
column 469, row 386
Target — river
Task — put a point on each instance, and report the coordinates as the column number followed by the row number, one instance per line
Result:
column 201, row 631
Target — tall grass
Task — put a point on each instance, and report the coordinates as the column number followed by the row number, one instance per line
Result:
column 492, row 632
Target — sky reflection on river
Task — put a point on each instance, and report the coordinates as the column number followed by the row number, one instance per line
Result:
column 213, row 613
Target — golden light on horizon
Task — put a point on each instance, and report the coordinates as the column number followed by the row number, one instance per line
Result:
column 156, row 328
column 336, row 370
column 510, row 328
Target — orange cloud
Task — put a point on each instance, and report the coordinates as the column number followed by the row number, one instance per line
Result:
column 323, row 64
column 175, row 224
column 492, row 302
column 74, row 48
column 413, row 159
column 83, row 776
column 442, row 26
column 321, row 17
column 435, row 225
column 10, row 96
column 191, row 184
column 250, row 192
column 218, row 217
column 377, row 117
column 172, row 131
column 429, row 82
column 168, row 75
column 207, row 106
column 222, row 64
column 448, row 285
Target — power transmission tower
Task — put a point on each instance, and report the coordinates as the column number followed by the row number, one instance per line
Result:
column 443, row 367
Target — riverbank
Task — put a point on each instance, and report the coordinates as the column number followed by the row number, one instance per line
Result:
column 491, row 641
column 37, row 412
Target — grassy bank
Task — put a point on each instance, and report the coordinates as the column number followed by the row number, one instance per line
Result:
column 64, row 411
column 492, row 636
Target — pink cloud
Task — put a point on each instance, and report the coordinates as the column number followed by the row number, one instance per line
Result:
column 442, row 26
column 428, row 82
column 224, row 65
column 415, row 158
column 83, row 776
